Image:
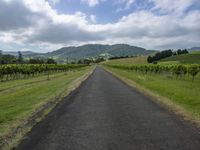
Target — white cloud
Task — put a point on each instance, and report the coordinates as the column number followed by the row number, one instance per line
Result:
column 173, row 6
column 54, row 1
column 129, row 3
column 93, row 18
column 92, row 3
column 126, row 3
column 36, row 25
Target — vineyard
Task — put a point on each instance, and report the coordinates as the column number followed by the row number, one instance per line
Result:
column 11, row 72
column 174, row 85
column 176, row 70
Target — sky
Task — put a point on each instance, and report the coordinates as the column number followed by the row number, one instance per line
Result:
column 47, row 25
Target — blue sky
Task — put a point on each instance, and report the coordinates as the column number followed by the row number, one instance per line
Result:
column 105, row 12
column 46, row 25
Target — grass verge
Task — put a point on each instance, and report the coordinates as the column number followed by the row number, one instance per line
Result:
column 25, row 102
column 179, row 96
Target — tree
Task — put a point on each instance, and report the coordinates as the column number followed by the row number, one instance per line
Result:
column 79, row 61
column 36, row 61
column 87, row 61
column 185, row 51
column 174, row 53
column 50, row 61
column 7, row 59
column 149, row 59
column 20, row 57
column 179, row 51
column 99, row 59
column 0, row 57
column 160, row 55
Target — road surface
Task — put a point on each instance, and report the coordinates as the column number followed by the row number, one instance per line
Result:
column 105, row 114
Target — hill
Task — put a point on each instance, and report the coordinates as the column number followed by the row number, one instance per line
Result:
column 24, row 53
column 92, row 50
column 194, row 49
column 132, row 60
column 191, row 58
column 85, row 51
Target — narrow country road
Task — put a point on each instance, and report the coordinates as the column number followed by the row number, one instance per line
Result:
column 105, row 114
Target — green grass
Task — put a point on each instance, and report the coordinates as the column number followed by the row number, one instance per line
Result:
column 196, row 52
column 8, row 85
column 133, row 60
column 191, row 58
column 183, row 92
column 19, row 99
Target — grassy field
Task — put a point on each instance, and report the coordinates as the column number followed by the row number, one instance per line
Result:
column 192, row 58
column 135, row 60
column 19, row 99
column 182, row 92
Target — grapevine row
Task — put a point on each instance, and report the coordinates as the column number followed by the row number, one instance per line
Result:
column 178, row 70
column 16, row 71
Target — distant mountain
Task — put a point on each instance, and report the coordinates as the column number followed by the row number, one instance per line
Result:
column 24, row 53
column 92, row 50
column 194, row 49
column 85, row 51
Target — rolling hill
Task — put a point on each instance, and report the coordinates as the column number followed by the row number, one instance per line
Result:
column 24, row 53
column 92, row 50
column 191, row 58
column 194, row 49
column 85, row 51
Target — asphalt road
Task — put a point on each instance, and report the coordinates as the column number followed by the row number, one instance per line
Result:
column 105, row 114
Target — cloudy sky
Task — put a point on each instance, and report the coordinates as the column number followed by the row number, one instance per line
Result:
column 46, row 25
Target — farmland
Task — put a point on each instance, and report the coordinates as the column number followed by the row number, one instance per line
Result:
column 176, row 85
column 24, row 94
column 12, row 72
column 191, row 58
column 29, row 92
column 99, row 75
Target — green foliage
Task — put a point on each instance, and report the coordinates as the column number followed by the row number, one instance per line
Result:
column 149, row 59
column 20, row 58
column 51, row 61
column 165, row 54
column 160, row 55
column 36, row 61
column 179, row 51
column 193, row 70
column 178, row 70
column 7, row 59
column 17, row 71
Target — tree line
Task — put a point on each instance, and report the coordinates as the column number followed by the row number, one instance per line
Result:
column 10, row 59
column 120, row 57
column 165, row 54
